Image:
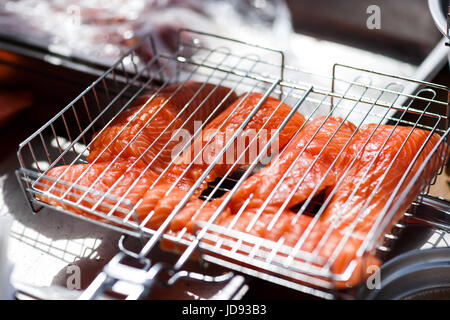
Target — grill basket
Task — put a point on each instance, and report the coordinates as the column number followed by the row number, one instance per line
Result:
column 355, row 94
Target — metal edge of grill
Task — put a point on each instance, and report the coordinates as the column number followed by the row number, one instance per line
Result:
column 36, row 156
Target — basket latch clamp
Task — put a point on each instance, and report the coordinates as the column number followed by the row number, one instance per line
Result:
column 130, row 281
column 135, row 281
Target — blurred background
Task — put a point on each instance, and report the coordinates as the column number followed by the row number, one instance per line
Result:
column 407, row 29
column 100, row 28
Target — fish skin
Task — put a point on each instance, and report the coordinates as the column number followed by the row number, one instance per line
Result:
column 111, row 141
column 341, row 213
column 302, row 153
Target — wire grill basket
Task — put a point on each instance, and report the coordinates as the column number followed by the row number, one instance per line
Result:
column 355, row 94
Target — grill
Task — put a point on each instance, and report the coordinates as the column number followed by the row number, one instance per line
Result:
column 355, row 94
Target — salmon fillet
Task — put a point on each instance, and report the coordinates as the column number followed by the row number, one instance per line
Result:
column 374, row 165
column 194, row 211
column 153, row 119
column 259, row 227
column 315, row 243
column 191, row 169
column 157, row 203
column 331, row 248
column 219, row 131
column 121, row 179
column 154, row 201
column 300, row 168
column 112, row 178
column 373, row 168
column 284, row 227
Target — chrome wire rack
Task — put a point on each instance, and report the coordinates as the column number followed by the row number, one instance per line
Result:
column 354, row 94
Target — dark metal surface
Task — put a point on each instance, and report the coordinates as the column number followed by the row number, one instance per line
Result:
column 415, row 274
column 439, row 10
column 418, row 266
column 407, row 31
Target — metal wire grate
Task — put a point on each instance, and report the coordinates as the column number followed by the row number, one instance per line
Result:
column 357, row 95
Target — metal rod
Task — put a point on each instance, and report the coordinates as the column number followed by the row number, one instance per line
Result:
column 194, row 243
column 150, row 244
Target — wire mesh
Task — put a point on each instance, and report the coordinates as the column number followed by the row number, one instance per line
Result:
column 355, row 95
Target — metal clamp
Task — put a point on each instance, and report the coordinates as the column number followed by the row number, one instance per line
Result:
column 135, row 283
column 142, row 259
